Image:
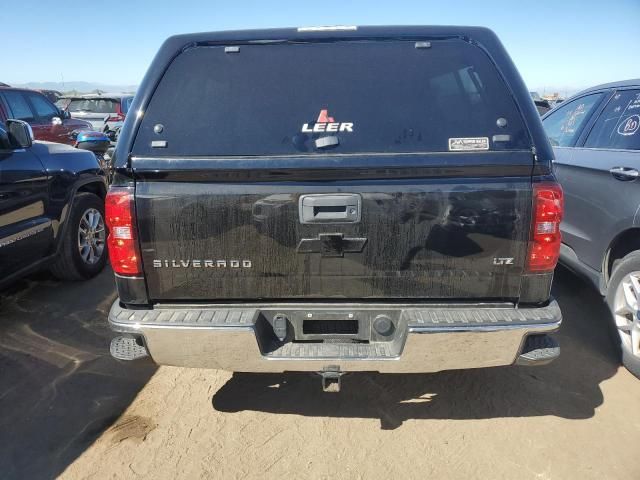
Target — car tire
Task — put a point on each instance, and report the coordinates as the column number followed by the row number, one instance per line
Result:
column 623, row 286
column 83, row 252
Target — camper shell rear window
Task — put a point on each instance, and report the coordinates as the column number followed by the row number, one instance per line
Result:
column 324, row 98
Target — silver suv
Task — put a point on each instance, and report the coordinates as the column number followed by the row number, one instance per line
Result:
column 106, row 112
column 596, row 139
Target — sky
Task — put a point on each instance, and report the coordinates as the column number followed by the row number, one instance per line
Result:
column 559, row 45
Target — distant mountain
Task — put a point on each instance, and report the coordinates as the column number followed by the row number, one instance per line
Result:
column 80, row 87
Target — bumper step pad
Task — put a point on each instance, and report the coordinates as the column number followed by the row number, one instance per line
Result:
column 127, row 348
column 538, row 350
column 204, row 317
column 415, row 317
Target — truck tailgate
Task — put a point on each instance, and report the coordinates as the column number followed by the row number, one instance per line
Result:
column 438, row 236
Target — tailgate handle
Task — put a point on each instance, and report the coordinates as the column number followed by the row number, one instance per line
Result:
column 330, row 208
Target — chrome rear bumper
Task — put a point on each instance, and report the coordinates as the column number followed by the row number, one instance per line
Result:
column 424, row 338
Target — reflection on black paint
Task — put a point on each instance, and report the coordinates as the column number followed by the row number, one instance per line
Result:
column 425, row 238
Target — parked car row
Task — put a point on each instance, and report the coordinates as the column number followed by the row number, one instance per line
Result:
column 52, row 196
column 106, row 112
column 60, row 122
column 47, row 121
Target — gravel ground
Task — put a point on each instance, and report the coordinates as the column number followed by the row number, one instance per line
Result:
column 67, row 409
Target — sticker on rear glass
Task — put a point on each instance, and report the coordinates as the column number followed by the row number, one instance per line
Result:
column 629, row 125
column 326, row 123
column 468, row 144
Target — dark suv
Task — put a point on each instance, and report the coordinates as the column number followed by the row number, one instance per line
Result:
column 596, row 139
column 51, row 207
column 334, row 199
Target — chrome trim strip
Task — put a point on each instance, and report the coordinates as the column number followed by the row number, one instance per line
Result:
column 126, row 277
column 24, row 234
column 482, row 328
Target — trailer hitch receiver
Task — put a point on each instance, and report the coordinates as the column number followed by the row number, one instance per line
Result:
column 331, row 379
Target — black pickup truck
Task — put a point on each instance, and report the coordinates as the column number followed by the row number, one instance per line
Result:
column 51, row 207
column 334, row 199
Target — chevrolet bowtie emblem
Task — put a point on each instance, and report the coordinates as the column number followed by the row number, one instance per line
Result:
column 331, row 245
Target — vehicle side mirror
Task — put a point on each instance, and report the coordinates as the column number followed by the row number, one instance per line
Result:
column 65, row 114
column 19, row 133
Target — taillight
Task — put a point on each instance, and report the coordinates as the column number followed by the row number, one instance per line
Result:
column 548, row 207
column 120, row 218
column 118, row 117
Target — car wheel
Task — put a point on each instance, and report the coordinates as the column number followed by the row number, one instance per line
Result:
column 623, row 294
column 83, row 252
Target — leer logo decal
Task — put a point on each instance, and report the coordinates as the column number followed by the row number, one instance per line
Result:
column 325, row 123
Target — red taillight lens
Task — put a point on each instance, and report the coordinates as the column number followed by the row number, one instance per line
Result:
column 118, row 117
column 123, row 247
column 548, row 207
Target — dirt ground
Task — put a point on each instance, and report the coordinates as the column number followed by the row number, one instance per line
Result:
column 67, row 409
